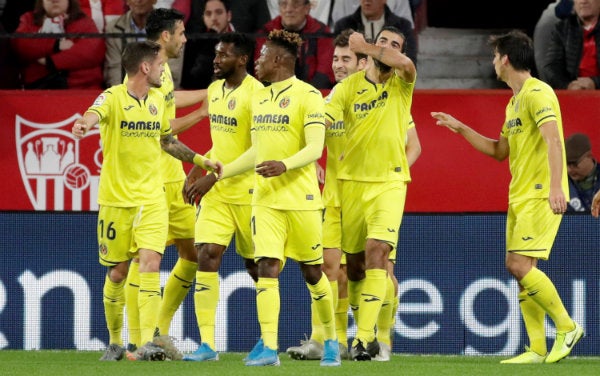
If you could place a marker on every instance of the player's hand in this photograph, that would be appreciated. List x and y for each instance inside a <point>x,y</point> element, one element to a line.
<point>596,205</point>
<point>446,120</point>
<point>79,128</point>
<point>269,169</point>
<point>215,166</point>
<point>558,201</point>
<point>356,42</point>
<point>198,188</point>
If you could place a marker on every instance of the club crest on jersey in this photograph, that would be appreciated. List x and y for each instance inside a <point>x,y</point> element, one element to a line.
<point>103,249</point>
<point>284,102</point>
<point>231,104</point>
<point>59,172</point>
<point>99,100</point>
<point>152,108</point>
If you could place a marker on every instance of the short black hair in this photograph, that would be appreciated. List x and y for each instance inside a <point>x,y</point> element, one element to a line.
<point>137,52</point>
<point>162,19</point>
<point>287,40</point>
<point>242,43</point>
<point>518,46</point>
<point>225,4</point>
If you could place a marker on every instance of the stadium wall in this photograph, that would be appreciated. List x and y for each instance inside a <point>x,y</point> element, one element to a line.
<point>455,296</point>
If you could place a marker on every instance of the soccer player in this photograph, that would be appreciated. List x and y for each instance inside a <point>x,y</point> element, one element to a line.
<point>132,220</point>
<point>166,27</point>
<point>532,139</point>
<point>345,62</point>
<point>225,209</point>
<point>287,138</point>
<point>373,172</point>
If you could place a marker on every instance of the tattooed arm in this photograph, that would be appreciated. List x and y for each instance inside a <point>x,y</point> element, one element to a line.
<point>180,151</point>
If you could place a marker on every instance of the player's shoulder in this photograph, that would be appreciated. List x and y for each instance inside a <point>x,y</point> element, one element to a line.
<point>251,83</point>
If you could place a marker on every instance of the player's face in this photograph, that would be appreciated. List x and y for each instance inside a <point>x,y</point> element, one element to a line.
<point>174,46</point>
<point>344,62</point>
<point>157,67</point>
<point>498,65</point>
<point>215,16</point>
<point>389,39</point>
<point>141,7</point>
<point>264,66</point>
<point>55,8</point>
<point>293,13</point>
<point>226,61</point>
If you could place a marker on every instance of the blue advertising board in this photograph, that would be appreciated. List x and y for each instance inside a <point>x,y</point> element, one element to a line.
<point>455,295</point>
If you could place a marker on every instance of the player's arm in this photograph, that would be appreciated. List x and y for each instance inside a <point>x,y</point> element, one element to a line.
<point>84,124</point>
<point>179,150</point>
<point>183,123</point>
<point>596,205</point>
<point>186,98</point>
<point>314,136</point>
<point>394,58</point>
<point>551,136</point>
<point>413,146</point>
<point>497,149</point>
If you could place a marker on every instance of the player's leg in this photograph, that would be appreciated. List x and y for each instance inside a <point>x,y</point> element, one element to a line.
<point>181,232</point>
<point>150,233</point>
<point>383,221</point>
<point>305,245</point>
<point>532,231</point>
<point>132,289</point>
<point>385,320</point>
<point>215,227</point>
<point>269,234</point>
<point>341,311</point>
<point>114,231</point>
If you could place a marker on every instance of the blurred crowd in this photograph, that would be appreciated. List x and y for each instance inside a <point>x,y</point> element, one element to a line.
<point>566,42</point>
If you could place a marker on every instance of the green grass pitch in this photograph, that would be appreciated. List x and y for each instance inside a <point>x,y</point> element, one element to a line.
<point>85,363</point>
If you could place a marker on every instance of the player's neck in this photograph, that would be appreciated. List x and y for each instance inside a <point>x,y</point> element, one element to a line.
<point>516,80</point>
<point>138,87</point>
<point>236,79</point>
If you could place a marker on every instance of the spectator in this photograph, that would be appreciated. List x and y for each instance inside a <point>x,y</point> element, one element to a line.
<point>198,68</point>
<point>583,172</point>
<point>184,6</point>
<point>249,15</point>
<point>132,22</point>
<point>103,11</point>
<point>319,9</point>
<point>59,63</point>
<point>401,8</point>
<point>371,16</point>
<point>541,34</point>
<point>573,60</point>
<point>313,63</point>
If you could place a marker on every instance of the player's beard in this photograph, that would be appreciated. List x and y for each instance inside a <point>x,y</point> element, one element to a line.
<point>383,68</point>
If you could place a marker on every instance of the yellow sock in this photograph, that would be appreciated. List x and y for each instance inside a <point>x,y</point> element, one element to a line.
<point>206,298</point>
<point>178,284</point>
<point>354,288</point>
<point>371,299</point>
<point>323,301</point>
<point>317,332</point>
<point>533,317</point>
<point>541,289</point>
<point>149,305</point>
<point>132,288</point>
<point>114,302</point>
<point>384,320</point>
<point>341,321</point>
<point>334,293</point>
<point>267,306</point>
